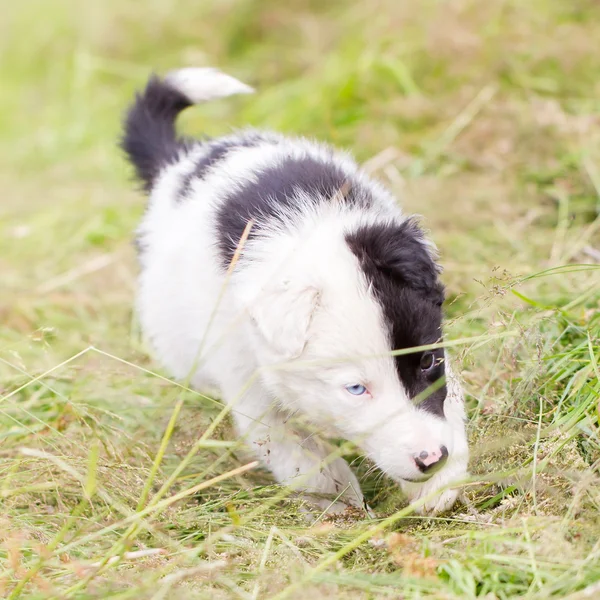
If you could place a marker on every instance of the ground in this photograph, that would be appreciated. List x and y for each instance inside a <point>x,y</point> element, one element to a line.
<point>484,118</point>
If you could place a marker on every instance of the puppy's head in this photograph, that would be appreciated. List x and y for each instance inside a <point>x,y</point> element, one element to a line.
<point>335,320</point>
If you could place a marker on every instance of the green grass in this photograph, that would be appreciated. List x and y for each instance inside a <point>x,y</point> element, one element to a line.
<point>116,482</point>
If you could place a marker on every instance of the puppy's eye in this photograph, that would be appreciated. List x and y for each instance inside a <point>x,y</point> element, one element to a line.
<point>427,361</point>
<point>356,389</point>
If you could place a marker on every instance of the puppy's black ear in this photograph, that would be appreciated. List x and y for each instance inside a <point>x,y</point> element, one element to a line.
<point>401,252</point>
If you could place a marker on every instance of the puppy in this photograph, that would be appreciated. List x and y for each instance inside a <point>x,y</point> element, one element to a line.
<point>276,272</point>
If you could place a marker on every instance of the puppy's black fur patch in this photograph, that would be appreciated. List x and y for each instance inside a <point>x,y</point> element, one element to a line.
<point>275,189</point>
<point>217,151</point>
<point>405,280</point>
<point>149,137</point>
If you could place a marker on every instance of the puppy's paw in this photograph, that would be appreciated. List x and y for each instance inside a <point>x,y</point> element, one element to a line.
<point>439,503</point>
<point>322,509</point>
<point>337,484</point>
<point>328,506</point>
<point>435,503</point>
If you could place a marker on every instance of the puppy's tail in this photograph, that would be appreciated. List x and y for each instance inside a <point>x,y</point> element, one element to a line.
<point>149,138</point>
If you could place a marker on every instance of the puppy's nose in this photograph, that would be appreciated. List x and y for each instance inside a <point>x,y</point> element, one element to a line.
<point>432,460</point>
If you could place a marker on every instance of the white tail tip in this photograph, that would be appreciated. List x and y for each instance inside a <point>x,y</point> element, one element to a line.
<point>202,84</point>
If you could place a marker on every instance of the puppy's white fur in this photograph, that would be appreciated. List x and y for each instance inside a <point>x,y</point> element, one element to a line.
<point>290,326</point>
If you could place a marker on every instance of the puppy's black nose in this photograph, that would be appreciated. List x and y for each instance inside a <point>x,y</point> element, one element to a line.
<point>428,461</point>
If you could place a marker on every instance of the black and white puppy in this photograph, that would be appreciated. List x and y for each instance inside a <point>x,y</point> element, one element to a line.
<point>276,272</point>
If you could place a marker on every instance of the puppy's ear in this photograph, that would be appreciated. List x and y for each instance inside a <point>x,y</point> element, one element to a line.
<point>281,316</point>
<point>400,252</point>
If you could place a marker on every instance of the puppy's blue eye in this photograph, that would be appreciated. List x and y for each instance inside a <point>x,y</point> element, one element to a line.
<point>357,389</point>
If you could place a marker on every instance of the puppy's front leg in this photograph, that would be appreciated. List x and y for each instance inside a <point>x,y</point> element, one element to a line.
<point>443,500</point>
<point>296,458</point>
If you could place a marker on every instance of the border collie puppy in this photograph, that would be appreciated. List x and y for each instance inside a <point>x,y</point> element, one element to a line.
<point>276,272</point>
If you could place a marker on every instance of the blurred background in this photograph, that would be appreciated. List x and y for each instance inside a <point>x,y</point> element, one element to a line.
<point>483,117</point>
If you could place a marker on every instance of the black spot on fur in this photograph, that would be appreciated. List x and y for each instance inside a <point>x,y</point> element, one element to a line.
<point>149,137</point>
<point>139,246</point>
<point>276,188</point>
<point>216,151</point>
<point>405,281</point>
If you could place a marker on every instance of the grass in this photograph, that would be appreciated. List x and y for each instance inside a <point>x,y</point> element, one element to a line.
<point>116,482</point>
